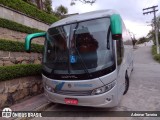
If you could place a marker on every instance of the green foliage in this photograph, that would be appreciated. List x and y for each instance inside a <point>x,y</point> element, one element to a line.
<point>16,71</point>
<point>15,46</point>
<point>29,10</point>
<point>154,50</point>
<point>17,27</point>
<point>83,1</point>
<point>48,6</point>
<point>154,53</point>
<point>151,36</point>
<point>60,11</point>
<point>157,57</point>
<point>134,41</point>
<point>29,2</point>
<point>142,40</point>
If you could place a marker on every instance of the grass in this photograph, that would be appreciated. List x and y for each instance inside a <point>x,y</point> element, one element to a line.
<point>21,70</point>
<point>4,23</point>
<point>15,46</point>
<point>154,53</point>
<point>30,10</point>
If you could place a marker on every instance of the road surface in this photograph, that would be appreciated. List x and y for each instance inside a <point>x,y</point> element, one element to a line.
<point>143,94</point>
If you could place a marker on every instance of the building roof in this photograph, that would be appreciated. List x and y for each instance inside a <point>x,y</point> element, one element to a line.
<point>84,16</point>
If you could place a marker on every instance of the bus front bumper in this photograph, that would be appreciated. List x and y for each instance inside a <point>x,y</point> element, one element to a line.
<point>108,99</point>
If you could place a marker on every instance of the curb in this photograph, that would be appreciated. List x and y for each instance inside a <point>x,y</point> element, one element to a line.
<point>40,108</point>
<point>44,107</point>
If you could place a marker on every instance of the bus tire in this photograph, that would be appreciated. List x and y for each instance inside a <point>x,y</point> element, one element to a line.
<point>126,84</point>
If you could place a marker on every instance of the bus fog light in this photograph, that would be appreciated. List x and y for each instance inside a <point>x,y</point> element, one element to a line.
<point>108,99</point>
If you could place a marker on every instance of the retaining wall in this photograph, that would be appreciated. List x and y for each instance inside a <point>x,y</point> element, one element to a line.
<point>10,58</point>
<point>18,36</point>
<point>19,17</point>
<point>12,91</point>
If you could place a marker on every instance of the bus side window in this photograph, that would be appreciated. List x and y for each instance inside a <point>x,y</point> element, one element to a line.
<point>120,51</point>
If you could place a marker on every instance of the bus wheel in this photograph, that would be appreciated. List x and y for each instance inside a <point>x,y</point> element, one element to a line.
<point>126,83</point>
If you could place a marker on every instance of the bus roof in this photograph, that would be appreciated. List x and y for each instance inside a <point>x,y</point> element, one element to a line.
<point>84,16</point>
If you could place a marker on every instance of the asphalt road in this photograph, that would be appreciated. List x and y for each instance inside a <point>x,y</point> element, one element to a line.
<point>143,94</point>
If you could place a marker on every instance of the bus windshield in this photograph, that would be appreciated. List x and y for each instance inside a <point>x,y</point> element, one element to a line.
<point>79,48</point>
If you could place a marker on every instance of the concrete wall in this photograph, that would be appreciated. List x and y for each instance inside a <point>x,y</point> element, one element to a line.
<point>17,36</point>
<point>13,91</point>
<point>16,16</point>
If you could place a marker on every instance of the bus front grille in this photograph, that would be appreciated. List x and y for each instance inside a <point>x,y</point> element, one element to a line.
<point>74,93</point>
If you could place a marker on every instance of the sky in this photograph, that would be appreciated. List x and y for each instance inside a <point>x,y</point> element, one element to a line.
<point>130,11</point>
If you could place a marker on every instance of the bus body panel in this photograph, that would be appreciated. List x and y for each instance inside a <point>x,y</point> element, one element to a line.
<point>74,85</point>
<point>129,59</point>
<point>109,77</point>
<point>92,101</point>
<point>126,64</point>
<point>118,75</point>
<point>57,90</point>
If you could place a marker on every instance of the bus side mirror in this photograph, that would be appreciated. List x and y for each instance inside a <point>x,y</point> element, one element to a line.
<point>116,27</point>
<point>30,37</point>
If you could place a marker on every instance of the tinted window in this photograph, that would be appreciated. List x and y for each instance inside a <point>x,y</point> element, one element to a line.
<point>79,48</point>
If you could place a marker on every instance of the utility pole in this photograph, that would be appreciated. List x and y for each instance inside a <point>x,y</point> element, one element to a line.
<point>151,24</point>
<point>153,10</point>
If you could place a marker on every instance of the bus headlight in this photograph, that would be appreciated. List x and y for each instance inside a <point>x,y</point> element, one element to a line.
<point>103,89</point>
<point>98,90</point>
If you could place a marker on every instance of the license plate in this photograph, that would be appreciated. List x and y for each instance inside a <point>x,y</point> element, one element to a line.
<point>71,101</point>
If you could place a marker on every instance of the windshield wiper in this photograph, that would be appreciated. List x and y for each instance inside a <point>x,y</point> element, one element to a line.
<point>82,61</point>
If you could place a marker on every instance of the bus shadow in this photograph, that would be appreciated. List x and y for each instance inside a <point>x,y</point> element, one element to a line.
<point>78,108</point>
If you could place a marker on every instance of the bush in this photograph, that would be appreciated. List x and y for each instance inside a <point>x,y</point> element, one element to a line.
<point>16,71</point>
<point>28,1</point>
<point>29,10</point>
<point>157,57</point>
<point>154,53</point>
<point>141,40</point>
<point>17,27</point>
<point>15,46</point>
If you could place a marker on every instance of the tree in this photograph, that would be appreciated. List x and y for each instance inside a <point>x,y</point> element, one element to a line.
<point>48,6</point>
<point>83,1</point>
<point>151,34</point>
<point>60,11</point>
<point>134,41</point>
<point>142,40</point>
<point>39,4</point>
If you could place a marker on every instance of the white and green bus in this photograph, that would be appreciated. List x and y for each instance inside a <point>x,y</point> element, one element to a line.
<point>87,59</point>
